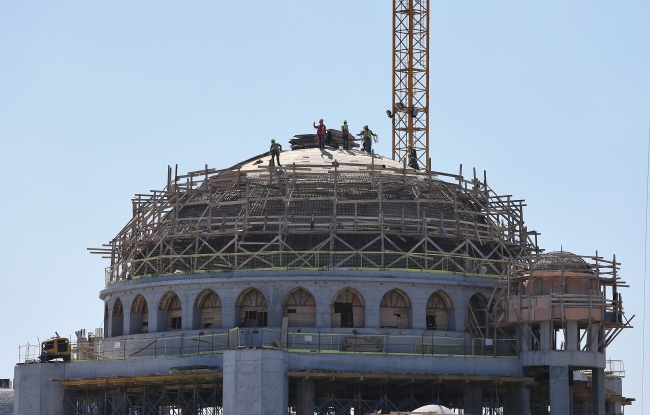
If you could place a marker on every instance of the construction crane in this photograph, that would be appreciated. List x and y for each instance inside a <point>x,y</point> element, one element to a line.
<point>410,111</point>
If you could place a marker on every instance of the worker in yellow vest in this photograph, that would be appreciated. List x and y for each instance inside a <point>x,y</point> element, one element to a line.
<point>276,148</point>
<point>345,130</point>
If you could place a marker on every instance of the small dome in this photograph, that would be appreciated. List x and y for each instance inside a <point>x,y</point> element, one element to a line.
<point>558,260</point>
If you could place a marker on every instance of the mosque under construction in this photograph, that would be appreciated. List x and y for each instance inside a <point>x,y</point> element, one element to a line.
<point>339,283</point>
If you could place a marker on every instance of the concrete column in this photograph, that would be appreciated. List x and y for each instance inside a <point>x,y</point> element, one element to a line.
<point>418,316</point>
<point>34,393</point>
<point>153,299</point>
<point>255,382</point>
<point>187,316</point>
<point>275,312</point>
<point>305,397</point>
<point>598,391</point>
<point>371,311</point>
<point>572,335</point>
<point>126,322</point>
<point>473,400</point>
<point>459,312</point>
<point>545,335</point>
<point>229,313</point>
<point>559,390</point>
<point>593,337</point>
<point>323,314</point>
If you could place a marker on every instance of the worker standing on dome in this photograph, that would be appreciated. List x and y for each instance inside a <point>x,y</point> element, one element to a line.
<point>345,130</point>
<point>276,148</point>
<point>320,133</point>
<point>413,158</point>
<point>367,135</point>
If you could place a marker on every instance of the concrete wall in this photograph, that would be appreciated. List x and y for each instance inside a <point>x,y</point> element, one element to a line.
<point>255,382</point>
<point>33,391</point>
<point>275,285</point>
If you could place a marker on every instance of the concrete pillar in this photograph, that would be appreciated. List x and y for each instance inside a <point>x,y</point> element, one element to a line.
<point>371,312</point>
<point>153,299</point>
<point>229,313</point>
<point>572,335</point>
<point>323,314</point>
<point>255,382</point>
<point>593,338</point>
<point>305,397</point>
<point>559,390</point>
<point>473,400</point>
<point>34,393</point>
<point>545,336</point>
<point>275,313</point>
<point>187,313</point>
<point>126,322</point>
<point>598,391</point>
<point>418,316</point>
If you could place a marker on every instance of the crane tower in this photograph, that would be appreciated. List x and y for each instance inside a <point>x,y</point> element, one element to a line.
<point>410,112</point>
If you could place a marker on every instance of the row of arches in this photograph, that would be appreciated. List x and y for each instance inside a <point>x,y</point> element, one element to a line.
<point>299,307</point>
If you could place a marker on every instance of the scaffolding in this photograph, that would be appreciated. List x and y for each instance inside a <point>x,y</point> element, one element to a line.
<point>346,214</point>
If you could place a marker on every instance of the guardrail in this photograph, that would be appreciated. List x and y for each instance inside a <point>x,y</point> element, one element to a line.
<point>305,260</point>
<point>293,342</point>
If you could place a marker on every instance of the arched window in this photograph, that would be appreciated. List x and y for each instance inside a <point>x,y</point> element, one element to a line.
<point>438,311</point>
<point>252,308</point>
<point>139,315</point>
<point>477,315</point>
<point>171,304</point>
<point>117,319</point>
<point>208,305</point>
<point>348,309</point>
<point>300,308</point>
<point>394,310</point>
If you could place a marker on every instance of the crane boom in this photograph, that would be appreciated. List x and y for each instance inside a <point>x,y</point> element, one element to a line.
<point>410,112</point>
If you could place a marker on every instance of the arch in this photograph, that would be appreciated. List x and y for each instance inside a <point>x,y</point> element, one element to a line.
<point>438,311</point>
<point>394,309</point>
<point>139,315</point>
<point>208,306</point>
<point>300,307</point>
<point>117,318</point>
<point>170,304</point>
<point>348,309</point>
<point>477,315</point>
<point>252,308</point>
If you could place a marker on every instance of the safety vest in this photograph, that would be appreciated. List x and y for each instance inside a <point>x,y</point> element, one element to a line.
<point>367,133</point>
<point>321,130</point>
<point>276,147</point>
<point>344,128</point>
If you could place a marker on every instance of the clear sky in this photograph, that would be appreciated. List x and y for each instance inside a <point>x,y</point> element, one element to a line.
<point>552,98</point>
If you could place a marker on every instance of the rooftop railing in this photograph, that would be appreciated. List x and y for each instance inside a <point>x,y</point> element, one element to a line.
<point>292,341</point>
<point>305,260</point>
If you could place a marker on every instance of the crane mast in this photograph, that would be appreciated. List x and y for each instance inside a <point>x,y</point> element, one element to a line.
<point>410,112</point>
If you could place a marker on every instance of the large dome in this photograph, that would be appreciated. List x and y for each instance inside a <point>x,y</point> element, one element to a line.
<point>330,201</point>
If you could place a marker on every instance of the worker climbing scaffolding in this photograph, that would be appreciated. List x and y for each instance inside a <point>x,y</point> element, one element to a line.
<point>413,158</point>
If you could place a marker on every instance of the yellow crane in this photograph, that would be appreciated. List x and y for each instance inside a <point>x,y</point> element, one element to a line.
<point>410,111</point>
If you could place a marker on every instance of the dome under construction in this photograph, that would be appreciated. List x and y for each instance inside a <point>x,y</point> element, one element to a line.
<point>347,209</point>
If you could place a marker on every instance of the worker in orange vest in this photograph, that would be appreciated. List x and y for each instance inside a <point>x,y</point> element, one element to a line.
<point>320,133</point>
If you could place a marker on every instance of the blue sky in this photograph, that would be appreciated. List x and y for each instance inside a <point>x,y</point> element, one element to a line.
<point>97,98</point>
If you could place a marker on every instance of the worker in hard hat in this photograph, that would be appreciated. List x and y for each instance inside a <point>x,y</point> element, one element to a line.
<point>345,130</point>
<point>413,157</point>
<point>367,135</point>
<point>320,133</point>
<point>276,148</point>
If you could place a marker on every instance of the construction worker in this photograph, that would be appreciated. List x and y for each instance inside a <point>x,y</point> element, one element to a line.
<point>276,148</point>
<point>413,158</point>
<point>367,135</point>
<point>320,133</point>
<point>345,130</point>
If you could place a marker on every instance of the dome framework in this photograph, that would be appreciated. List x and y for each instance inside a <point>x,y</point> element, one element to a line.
<point>336,209</point>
